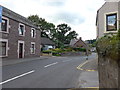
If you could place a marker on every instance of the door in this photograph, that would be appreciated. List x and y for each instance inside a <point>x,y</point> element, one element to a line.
<point>20,49</point>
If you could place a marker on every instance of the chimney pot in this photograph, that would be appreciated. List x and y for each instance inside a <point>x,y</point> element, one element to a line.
<point>80,38</point>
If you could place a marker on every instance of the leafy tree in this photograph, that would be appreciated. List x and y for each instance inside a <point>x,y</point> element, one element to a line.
<point>34,19</point>
<point>62,34</point>
<point>71,35</point>
<point>45,27</point>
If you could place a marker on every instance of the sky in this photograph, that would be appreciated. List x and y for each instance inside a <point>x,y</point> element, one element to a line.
<point>80,15</point>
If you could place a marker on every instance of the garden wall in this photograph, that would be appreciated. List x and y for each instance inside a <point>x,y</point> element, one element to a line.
<point>108,49</point>
<point>73,54</point>
<point>108,72</point>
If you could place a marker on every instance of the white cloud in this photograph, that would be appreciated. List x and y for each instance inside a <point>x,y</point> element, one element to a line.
<point>79,14</point>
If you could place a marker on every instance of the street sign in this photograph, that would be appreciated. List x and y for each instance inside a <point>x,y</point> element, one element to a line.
<point>0,14</point>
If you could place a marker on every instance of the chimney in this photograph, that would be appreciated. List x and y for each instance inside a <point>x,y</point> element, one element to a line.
<point>80,38</point>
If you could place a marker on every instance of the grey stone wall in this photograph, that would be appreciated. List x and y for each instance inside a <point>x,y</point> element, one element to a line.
<point>108,72</point>
<point>108,49</point>
<point>73,54</point>
<point>109,62</point>
<point>13,37</point>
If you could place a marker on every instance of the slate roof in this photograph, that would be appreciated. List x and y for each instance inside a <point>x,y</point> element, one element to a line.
<point>75,41</point>
<point>12,15</point>
<point>46,41</point>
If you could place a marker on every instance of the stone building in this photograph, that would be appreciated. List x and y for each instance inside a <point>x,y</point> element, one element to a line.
<point>19,38</point>
<point>78,43</point>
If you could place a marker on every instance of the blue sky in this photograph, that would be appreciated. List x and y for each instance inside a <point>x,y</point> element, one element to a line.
<point>79,14</point>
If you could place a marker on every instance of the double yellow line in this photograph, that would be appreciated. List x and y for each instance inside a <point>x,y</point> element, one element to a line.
<point>85,88</point>
<point>93,87</point>
<point>81,65</point>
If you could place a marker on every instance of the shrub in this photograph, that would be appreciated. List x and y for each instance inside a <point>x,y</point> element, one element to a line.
<point>57,50</point>
<point>108,46</point>
<point>68,49</point>
<point>80,49</point>
<point>47,51</point>
<point>56,54</point>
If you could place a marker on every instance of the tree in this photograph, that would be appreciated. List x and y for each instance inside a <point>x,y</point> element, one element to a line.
<point>71,35</point>
<point>64,34</point>
<point>45,27</point>
<point>34,19</point>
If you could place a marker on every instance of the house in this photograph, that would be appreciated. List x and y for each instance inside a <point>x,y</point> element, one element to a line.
<point>90,41</point>
<point>78,43</point>
<point>19,38</point>
<point>47,44</point>
<point>107,20</point>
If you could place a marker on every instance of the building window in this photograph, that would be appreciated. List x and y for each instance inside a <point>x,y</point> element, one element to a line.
<point>4,24</point>
<point>33,32</point>
<point>3,47</point>
<point>21,29</point>
<point>111,21</point>
<point>32,48</point>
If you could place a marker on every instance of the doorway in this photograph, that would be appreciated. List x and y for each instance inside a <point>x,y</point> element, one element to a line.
<point>20,49</point>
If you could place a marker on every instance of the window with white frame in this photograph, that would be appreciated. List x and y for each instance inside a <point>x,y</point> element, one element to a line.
<point>111,22</point>
<point>21,29</point>
<point>4,47</point>
<point>4,24</point>
<point>32,48</point>
<point>33,32</point>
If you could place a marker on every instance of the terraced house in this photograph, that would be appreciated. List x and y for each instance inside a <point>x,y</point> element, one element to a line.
<point>19,38</point>
<point>108,19</point>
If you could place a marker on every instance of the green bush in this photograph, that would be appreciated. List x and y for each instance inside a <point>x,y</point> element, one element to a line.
<point>67,49</point>
<point>56,54</point>
<point>59,51</point>
<point>47,51</point>
<point>80,49</point>
<point>108,46</point>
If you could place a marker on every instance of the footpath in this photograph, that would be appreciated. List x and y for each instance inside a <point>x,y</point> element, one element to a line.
<point>89,77</point>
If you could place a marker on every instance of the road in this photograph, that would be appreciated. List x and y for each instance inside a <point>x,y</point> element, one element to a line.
<point>55,72</point>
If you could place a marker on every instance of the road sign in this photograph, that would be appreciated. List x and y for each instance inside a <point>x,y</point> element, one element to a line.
<point>0,14</point>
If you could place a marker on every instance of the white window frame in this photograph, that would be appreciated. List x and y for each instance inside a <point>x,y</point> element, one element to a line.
<point>5,40</point>
<point>19,41</point>
<point>34,33</point>
<point>19,29</point>
<point>31,48</point>
<point>7,31</point>
<point>105,27</point>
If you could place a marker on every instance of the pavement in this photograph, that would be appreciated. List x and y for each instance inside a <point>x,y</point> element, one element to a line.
<point>15,61</point>
<point>89,78</point>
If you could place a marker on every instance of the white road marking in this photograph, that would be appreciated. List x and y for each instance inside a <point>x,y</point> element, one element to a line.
<point>50,64</point>
<point>16,77</point>
<point>66,60</point>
